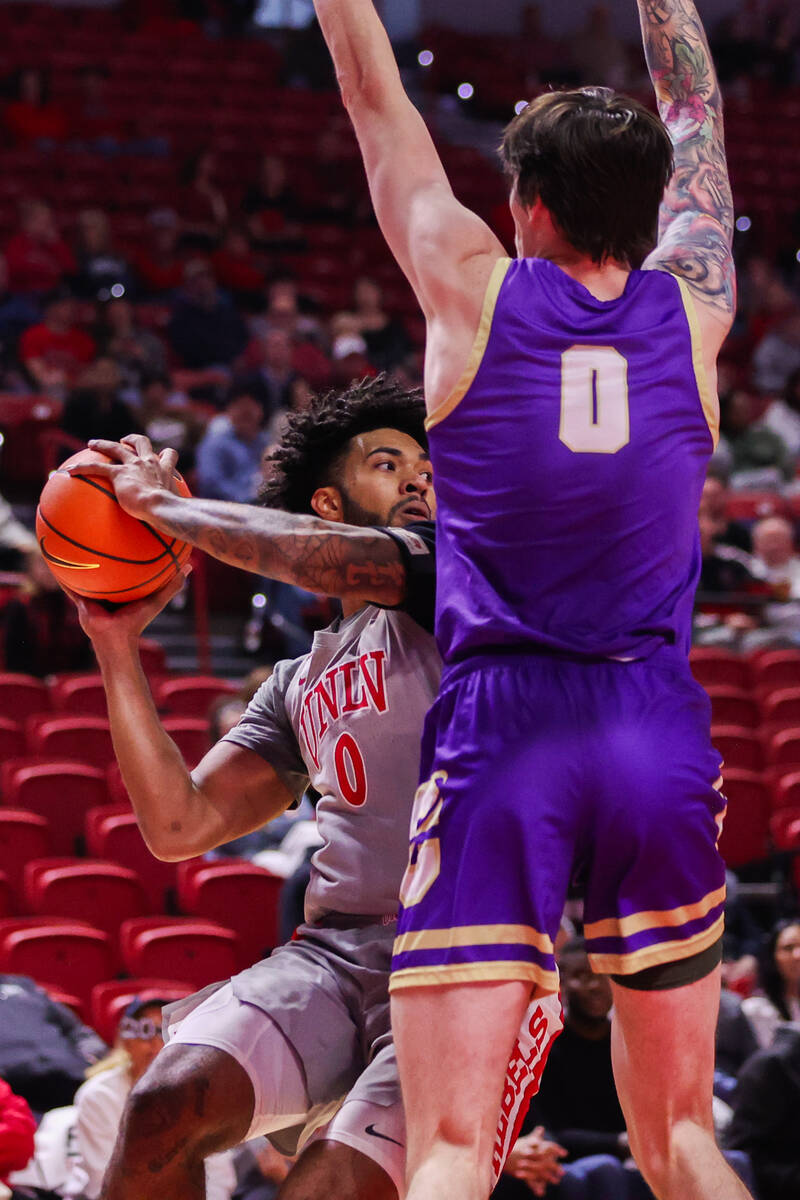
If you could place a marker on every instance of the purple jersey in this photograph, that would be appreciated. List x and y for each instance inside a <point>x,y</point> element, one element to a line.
<point>569,463</point>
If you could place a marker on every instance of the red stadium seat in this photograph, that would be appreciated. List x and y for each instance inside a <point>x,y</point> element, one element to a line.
<point>77,1005</point>
<point>23,835</point>
<point>237,894</point>
<point>12,739</point>
<point>733,706</point>
<point>80,694</point>
<point>67,954</point>
<point>784,827</point>
<point>62,792</point>
<point>117,792</point>
<point>786,791</point>
<point>114,834</point>
<point>110,999</point>
<point>8,902</point>
<point>21,696</point>
<point>193,695</point>
<point>777,669</point>
<point>85,738</point>
<point>783,748</point>
<point>104,894</point>
<point>746,829</point>
<point>738,747</point>
<point>191,736</point>
<point>153,656</point>
<point>197,952</point>
<point>782,707</point>
<point>719,668</point>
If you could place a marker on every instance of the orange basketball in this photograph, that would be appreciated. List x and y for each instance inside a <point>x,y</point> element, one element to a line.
<point>93,546</point>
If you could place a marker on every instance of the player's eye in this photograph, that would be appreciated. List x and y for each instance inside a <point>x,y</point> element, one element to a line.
<point>427,475</point>
<point>386,465</point>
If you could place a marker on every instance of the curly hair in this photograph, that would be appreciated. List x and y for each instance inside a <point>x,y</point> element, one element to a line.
<point>313,446</point>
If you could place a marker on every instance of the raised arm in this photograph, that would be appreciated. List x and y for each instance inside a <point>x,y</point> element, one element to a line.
<point>696,222</point>
<point>434,238</point>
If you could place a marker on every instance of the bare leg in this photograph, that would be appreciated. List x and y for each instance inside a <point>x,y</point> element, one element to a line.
<point>193,1101</point>
<point>453,1046</point>
<point>337,1172</point>
<point>662,1045</point>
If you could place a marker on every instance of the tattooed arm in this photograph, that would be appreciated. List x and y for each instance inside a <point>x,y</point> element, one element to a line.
<point>347,561</point>
<point>696,220</point>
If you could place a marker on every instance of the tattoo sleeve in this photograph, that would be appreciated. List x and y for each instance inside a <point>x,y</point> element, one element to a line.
<point>332,560</point>
<point>696,219</point>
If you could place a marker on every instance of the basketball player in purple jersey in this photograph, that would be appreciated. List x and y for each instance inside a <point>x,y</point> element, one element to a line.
<point>572,412</point>
<point>298,1047</point>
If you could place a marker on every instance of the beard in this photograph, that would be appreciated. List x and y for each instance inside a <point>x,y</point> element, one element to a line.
<point>355,514</point>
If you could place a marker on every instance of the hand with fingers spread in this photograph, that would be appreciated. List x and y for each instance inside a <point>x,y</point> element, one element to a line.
<point>137,474</point>
<point>127,622</point>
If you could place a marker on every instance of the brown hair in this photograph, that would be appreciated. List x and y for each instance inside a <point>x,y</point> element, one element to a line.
<point>599,162</point>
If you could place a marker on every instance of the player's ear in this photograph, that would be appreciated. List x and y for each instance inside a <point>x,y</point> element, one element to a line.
<point>327,503</point>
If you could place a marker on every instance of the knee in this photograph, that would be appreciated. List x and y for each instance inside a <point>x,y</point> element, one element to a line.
<point>663,1160</point>
<point>188,1097</point>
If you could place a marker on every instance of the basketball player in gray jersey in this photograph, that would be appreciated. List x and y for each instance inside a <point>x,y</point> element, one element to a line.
<point>298,1047</point>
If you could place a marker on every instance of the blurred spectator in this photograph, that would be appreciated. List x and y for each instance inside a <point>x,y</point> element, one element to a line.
<point>735,1042</point>
<point>15,539</point>
<point>100,266</point>
<point>93,123</point>
<point>238,270</point>
<point>753,456</point>
<point>774,557</point>
<point>715,505</point>
<point>202,205</point>
<point>95,408</point>
<point>17,312</point>
<point>56,350</point>
<point>777,355</point>
<point>269,204</point>
<point>253,681</point>
<point>300,394</point>
<point>261,1171</point>
<point>350,362</point>
<point>284,312</point>
<point>545,58</point>
<point>17,1128</point>
<point>41,630</point>
<point>765,1112</point>
<point>387,343</point>
<point>782,415</point>
<point>272,381</point>
<point>159,265</point>
<point>44,1048</point>
<point>100,1103</point>
<point>741,940</point>
<point>169,420</point>
<point>31,117</point>
<point>38,258</point>
<point>138,353</point>
<point>205,330</point>
<point>779,979</point>
<point>229,457</point>
<point>725,569</point>
<point>223,715</point>
<point>344,198</point>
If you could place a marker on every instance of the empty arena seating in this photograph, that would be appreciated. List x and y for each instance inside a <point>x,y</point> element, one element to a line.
<point>193,951</point>
<point>68,954</point>
<point>12,739</point>
<point>745,833</point>
<point>113,833</point>
<point>237,894</point>
<point>80,694</point>
<point>733,706</point>
<point>190,735</point>
<point>22,695</point>
<point>23,837</point>
<point>191,696</point>
<point>110,999</point>
<point>60,791</point>
<point>104,894</point>
<point>719,668</point>
<point>85,738</point>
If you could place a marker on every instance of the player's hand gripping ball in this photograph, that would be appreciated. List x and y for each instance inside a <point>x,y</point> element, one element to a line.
<point>93,547</point>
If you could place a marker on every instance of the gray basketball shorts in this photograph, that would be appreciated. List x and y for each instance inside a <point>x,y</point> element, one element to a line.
<point>310,1026</point>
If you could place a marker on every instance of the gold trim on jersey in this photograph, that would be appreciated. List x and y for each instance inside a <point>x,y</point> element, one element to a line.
<point>476,972</point>
<point>499,272</point>
<point>621,927</point>
<point>473,935</point>
<point>662,952</point>
<point>708,398</point>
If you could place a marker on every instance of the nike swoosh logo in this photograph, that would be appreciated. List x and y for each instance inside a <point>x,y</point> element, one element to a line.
<point>372,1131</point>
<point>73,566</point>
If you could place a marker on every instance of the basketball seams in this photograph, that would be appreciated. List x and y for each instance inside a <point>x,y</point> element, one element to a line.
<point>136,562</point>
<point>158,537</point>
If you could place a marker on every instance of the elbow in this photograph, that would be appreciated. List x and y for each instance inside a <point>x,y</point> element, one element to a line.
<point>169,845</point>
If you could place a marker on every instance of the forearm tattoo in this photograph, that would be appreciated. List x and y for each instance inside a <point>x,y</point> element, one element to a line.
<point>303,550</point>
<point>696,219</point>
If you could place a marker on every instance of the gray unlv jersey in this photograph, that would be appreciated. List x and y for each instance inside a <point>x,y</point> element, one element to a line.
<point>348,718</point>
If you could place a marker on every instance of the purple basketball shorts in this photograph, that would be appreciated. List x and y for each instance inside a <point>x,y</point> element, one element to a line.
<point>538,771</point>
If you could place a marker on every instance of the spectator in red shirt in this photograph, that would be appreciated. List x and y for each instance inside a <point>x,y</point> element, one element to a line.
<point>238,269</point>
<point>17,1128</point>
<point>31,117</point>
<point>54,351</point>
<point>158,264</point>
<point>38,258</point>
<point>203,207</point>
